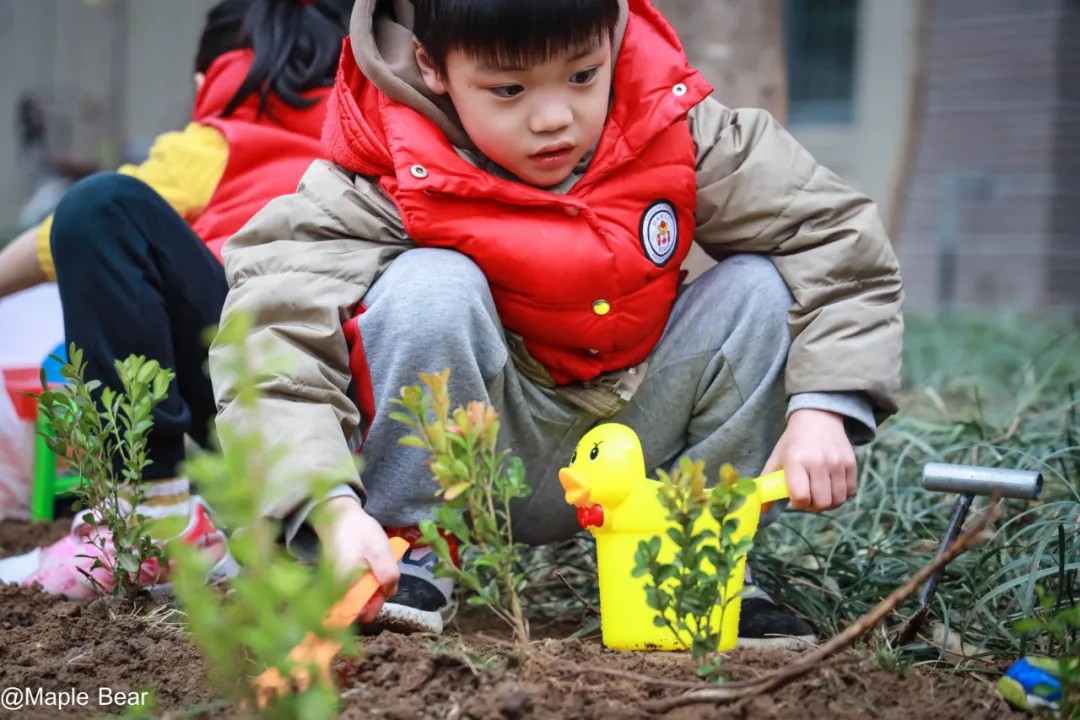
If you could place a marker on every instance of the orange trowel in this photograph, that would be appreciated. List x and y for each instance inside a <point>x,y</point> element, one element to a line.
<point>317,652</point>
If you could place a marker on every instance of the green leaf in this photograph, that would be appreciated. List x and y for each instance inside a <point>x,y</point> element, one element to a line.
<point>403,418</point>
<point>665,573</point>
<point>454,491</point>
<point>454,523</point>
<point>128,563</point>
<point>147,371</point>
<point>1027,625</point>
<point>316,704</point>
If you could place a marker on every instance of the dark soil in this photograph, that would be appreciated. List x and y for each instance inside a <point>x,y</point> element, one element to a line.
<point>58,645</point>
<point>462,677</point>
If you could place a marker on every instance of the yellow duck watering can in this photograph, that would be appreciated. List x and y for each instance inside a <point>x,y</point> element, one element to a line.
<point>621,508</point>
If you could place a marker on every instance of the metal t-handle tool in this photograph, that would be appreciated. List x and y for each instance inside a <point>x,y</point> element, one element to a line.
<point>968,481</point>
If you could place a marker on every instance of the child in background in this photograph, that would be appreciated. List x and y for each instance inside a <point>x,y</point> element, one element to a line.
<point>512,188</point>
<point>136,253</point>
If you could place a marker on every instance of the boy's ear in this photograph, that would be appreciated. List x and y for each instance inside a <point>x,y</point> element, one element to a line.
<point>428,71</point>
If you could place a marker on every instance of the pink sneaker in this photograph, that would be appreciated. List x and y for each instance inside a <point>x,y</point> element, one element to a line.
<point>62,565</point>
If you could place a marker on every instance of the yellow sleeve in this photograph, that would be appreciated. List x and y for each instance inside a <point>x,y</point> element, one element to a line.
<point>183,167</point>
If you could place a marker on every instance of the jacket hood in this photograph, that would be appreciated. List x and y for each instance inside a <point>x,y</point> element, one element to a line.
<point>225,76</point>
<point>378,66</point>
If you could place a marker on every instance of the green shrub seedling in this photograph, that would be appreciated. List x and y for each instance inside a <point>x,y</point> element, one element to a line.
<point>474,480</point>
<point>685,591</point>
<point>275,601</point>
<point>98,431</point>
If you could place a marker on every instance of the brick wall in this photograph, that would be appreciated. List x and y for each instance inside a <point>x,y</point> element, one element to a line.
<point>991,164</point>
<point>1064,268</point>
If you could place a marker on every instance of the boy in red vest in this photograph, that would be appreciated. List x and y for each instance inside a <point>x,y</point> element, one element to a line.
<point>512,189</point>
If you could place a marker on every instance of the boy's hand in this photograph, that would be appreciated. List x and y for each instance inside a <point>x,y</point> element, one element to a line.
<point>817,459</point>
<point>355,542</point>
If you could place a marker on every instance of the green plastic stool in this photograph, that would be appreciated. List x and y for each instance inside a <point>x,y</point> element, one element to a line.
<point>48,484</point>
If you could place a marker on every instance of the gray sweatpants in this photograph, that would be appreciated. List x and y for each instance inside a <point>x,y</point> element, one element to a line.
<point>714,388</point>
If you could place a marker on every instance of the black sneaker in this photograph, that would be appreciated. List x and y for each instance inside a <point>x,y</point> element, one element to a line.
<point>764,624</point>
<point>422,603</point>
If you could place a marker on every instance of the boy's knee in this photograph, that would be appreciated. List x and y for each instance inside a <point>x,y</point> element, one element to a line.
<point>78,222</point>
<point>758,286</point>
<point>434,283</point>
<point>435,308</point>
<point>437,267</point>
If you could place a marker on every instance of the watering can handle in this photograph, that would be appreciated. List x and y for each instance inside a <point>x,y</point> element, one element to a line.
<point>772,487</point>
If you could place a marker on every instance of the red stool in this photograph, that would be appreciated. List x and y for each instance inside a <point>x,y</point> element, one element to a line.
<point>48,483</point>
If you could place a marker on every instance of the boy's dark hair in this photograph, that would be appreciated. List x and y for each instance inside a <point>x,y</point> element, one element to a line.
<point>296,47</point>
<point>511,32</point>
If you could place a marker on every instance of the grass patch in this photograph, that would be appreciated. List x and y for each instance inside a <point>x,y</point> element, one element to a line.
<point>994,392</point>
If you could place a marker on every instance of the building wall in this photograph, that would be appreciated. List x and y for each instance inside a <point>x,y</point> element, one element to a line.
<point>112,75</point>
<point>160,59</point>
<point>115,73</point>
<point>867,151</point>
<point>996,175</point>
<point>61,54</point>
<point>1064,268</point>
<point>983,206</point>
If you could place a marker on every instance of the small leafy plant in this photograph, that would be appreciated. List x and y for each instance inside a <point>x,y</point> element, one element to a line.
<point>276,602</point>
<point>688,587</point>
<point>477,481</point>
<point>97,431</point>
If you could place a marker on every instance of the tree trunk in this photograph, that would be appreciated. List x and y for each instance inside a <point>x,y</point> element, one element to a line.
<point>738,45</point>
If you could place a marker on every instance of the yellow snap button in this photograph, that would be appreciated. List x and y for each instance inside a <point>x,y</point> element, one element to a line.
<point>601,307</point>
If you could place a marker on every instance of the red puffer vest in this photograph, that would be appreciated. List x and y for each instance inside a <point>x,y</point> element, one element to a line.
<point>589,278</point>
<point>267,155</point>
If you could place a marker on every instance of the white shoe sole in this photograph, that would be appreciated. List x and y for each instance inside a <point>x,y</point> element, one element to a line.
<point>17,568</point>
<point>780,642</point>
<point>404,620</point>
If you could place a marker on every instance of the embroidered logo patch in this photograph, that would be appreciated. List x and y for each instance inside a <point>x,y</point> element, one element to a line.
<point>660,232</point>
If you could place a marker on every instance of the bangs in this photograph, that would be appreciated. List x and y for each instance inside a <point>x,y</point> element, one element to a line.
<point>512,33</point>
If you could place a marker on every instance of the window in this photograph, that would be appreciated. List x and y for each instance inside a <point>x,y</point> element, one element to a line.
<point>820,38</point>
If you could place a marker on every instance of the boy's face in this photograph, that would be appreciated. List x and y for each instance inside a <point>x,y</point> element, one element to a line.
<point>538,121</point>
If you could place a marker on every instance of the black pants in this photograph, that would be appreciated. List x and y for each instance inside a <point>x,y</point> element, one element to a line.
<point>135,279</point>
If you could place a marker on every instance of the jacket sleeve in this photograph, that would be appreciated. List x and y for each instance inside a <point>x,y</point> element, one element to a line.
<point>760,191</point>
<point>298,269</point>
